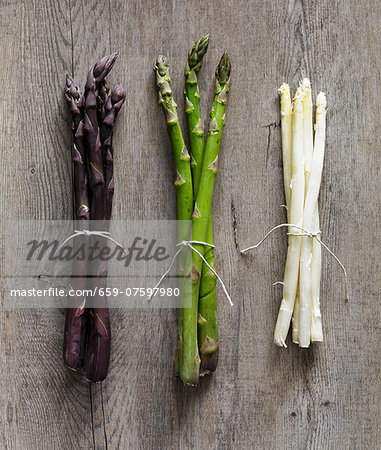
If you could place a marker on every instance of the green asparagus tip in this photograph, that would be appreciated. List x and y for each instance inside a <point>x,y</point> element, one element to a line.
<point>197,53</point>
<point>223,69</point>
<point>161,65</point>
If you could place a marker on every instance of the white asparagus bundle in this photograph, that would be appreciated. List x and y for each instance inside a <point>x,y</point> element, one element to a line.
<point>301,285</point>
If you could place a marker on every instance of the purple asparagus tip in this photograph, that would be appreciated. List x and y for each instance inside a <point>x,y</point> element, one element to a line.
<point>72,92</point>
<point>118,93</point>
<point>103,66</point>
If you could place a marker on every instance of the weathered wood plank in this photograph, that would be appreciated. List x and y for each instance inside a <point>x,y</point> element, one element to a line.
<point>261,396</point>
<point>91,28</point>
<point>42,404</point>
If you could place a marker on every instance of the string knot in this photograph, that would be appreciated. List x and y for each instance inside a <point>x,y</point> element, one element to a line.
<point>188,244</point>
<point>310,234</point>
<point>304,232</point>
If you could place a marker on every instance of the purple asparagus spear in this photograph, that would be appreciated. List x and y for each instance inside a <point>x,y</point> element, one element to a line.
<point>99,332</point>
<point>74,337</point>
<point>113,104</point>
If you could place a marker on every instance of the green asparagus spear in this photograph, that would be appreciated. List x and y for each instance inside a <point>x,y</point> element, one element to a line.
<point>207,326</point>
<point>187,347</point>
<point>207,311</point>
<point>181,156</point>
<point>207,321</point>
<point>192,108</point>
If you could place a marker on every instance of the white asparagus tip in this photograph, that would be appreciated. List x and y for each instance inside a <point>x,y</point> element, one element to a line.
<point>305,84</point>
<point>298,98</point>
<point>284,90</point>
<point>321,100</point>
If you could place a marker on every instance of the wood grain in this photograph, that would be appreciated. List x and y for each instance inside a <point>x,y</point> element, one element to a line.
<point>261,397</point>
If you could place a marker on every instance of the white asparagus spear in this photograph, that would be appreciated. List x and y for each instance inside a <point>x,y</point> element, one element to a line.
<point>286,131</point>
<point>309,221</point>
<point>296,317</point>
<point>307,154</point>
<point>316,324</point>
<point>290,280</point>
<point>308,145</point>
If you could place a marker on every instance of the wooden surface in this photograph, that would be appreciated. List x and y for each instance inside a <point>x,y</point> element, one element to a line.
<point>264,397</point>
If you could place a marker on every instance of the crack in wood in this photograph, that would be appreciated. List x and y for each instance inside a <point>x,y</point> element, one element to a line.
<point>234,223</point>
<point>92,414</point>
<point>104,419</point>
<point>269,126</point>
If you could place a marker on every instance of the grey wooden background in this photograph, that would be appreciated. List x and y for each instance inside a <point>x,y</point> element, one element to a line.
<point>327,397</point>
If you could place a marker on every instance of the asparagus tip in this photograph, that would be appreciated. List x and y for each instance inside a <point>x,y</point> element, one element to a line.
<point>284,90</point>
<point>305,83</point>
<point>72,90</point>
<point>223,69</point>
<point>197,53</point>
<point>161,65</point>
<point>118,93</point>
<point>104,65</point>
<point>298,97</point>
<point>321,100</point>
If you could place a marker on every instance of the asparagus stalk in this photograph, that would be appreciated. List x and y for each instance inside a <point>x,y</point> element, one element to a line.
<point>286,132</point>
<point>74,336</point>
<point>307,155</point>
<point>92,135</point>
<point>114,102</point>
<point>99,338</point>
<point>195,124</point>
<point>183,184</point>
<point>192,108</point>
<point>309,221</point>
<point>316,324</point>
<point>296,217</point>
<point>308,145</point>
<point>208,336</point>
<point>102,101</point>
<point>207,309</point>
<point>303,295</point>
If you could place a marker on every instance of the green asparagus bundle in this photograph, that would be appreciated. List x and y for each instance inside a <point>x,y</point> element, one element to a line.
<point>195,181</point>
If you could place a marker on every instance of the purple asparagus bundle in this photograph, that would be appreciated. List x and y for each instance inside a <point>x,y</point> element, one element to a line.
<point>98,112</point>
